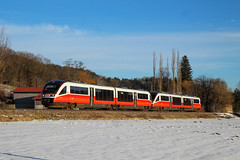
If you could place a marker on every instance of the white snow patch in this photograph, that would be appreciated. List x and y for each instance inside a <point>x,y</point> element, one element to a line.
<point>120,139</point>
<point>227,115</point>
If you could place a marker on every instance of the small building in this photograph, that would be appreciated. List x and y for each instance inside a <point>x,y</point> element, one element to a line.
<point>23,96</point>
<point>38,103</point>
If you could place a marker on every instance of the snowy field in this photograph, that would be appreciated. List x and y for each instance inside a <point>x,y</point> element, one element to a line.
<point>117,140</point>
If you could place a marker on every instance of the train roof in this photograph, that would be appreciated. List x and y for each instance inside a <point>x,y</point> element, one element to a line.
<point>133,90</point>
<point>99,85</point>
<point>119,88</point>
<point>171,94</point>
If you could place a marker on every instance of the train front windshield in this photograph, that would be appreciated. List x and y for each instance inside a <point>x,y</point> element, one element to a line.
<point>52,87</point>
<point>153,95</point>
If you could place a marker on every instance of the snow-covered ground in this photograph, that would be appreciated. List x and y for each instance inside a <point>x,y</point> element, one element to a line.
<point>113,140</point>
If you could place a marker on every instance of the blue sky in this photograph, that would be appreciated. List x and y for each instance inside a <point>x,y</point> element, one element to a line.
<point>117,38</point>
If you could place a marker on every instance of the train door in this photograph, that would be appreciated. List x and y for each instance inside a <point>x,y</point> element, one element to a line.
<point>192,102</point>
<point>91,96</point>
<point>171,100</point>
<point>135,99</point>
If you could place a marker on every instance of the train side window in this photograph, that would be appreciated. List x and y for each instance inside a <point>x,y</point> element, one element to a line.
<point>164,98</point>
<point>196,101</point>
<point>125,96</point>
<point>79,90</point>
<point>98,94</point>
<point>142,96</point>
<point>110,96</point>
<point>83,90</point>
<point>63,91</point>
<point>176,101</point>
<point>187,102</point>
<point>104,95</point>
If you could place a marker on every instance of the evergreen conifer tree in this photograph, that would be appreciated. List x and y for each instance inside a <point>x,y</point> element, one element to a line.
<point>236,104</point>
<point>186,69</point>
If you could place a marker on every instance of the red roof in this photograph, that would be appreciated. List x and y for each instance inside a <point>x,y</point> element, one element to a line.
<point>28,90</point>
<point>39,96</point>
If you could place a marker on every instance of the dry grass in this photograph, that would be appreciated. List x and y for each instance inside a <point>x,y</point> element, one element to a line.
<point>56,114</point>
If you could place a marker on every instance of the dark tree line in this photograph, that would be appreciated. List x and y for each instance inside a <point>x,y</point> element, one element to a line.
<point>236,95</point>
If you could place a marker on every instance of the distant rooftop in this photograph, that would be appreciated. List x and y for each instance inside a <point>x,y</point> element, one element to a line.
<point>38,96</point>
<point>28,90</point>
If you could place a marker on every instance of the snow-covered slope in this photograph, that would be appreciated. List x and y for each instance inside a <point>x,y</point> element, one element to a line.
<point>131,139</point>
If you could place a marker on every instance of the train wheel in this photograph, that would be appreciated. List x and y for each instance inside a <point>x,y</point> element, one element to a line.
<point>71,106</point>
<point>160,109</point>
<point>65,106</point>
<point>147,108</point>
<point>114,107</point>
<point>46,104</point>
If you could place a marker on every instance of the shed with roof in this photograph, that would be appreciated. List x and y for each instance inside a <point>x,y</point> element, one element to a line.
<point>24,96</point>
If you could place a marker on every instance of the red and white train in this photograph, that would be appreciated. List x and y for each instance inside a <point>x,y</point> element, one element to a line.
<point>73,94</point>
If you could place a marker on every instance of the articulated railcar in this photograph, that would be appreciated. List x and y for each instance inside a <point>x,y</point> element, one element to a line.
<point>72,94</point>
<point>173,101</point>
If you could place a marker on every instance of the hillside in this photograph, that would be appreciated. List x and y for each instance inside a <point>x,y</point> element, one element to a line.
<point>7,88</point>
<point>29,70</point>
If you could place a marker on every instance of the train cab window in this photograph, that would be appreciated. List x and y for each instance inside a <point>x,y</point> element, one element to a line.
<point>165,98</point>
<point>63,91</point>
<point>157,99</point>
<point>187,102</point>
<point>142,96</point>
<point>79,90</point>
<point>196,101</point>
<point>52,87</point>
<point>176,101</point>
<point>125,96</point>
<point>153,95</point>
<point>104,95</point>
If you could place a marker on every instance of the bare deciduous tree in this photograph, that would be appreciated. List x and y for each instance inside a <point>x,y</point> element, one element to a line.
<point>154,71</point>
<point>179,75</point>
<point>238,85</point>
<point>214,93</point>
<point>4,44</point>
<point>173,71</point>
<point>168,74</point>
<point>160,73</point>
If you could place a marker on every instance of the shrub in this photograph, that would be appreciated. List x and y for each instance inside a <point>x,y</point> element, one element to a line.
<point>3,97</point>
